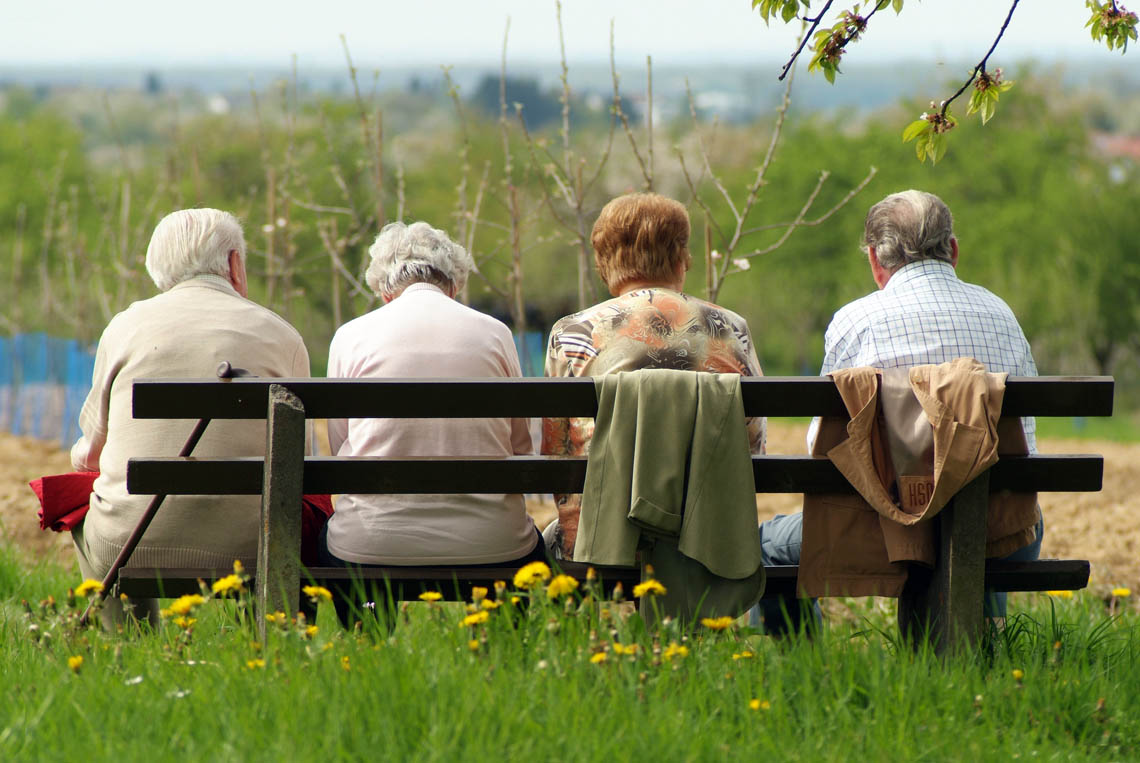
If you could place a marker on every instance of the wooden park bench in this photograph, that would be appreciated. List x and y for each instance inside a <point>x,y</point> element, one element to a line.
<point>952,601</point>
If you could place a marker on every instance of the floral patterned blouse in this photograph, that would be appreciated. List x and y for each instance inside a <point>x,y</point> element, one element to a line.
<point>644,328</point>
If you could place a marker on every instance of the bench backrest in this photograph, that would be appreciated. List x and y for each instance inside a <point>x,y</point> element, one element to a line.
<point>436,398</point>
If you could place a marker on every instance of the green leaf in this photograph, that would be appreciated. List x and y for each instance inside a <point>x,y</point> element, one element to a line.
<point>915,129</point>
<point>829,72</point>
<point>976,98</point>
<point>897,5</point>
<point>937,148</point>
<point>789,11</point>
<point>987,107</point>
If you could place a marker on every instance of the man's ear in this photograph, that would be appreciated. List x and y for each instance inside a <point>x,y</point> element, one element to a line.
<point>878,272</point>
<point>953,252</point>
<point>237,274</point>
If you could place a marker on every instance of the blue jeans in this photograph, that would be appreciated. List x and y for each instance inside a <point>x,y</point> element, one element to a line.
<point>781,539</point>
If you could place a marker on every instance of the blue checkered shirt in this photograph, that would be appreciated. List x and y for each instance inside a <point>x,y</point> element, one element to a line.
<point>925,314</point>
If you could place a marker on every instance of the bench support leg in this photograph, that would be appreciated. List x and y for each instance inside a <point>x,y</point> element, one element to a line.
<point>951,606</point>
<point>279,547</point>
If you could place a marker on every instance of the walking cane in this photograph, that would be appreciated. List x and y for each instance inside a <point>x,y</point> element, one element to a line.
<point>225,371</point>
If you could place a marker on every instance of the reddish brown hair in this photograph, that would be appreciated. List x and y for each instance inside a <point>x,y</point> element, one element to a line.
<point>640,237</point>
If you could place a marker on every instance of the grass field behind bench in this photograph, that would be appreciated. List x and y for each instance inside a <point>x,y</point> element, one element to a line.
<point>1062,684</point>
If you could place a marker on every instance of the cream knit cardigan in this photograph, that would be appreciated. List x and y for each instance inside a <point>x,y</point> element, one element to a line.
<point>184,332</point>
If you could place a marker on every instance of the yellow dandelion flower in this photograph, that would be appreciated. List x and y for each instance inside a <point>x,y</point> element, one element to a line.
<point>478,593</point>
<point>490,604</point>
<point>344,663</point>
<point>475,619</point>
<point>239,568</point>
<point>184,605</point>
<point>227,585</point>
<point>648,588</point>
<point>317,593</point>
<point>431,596</point>
<point>185,622</point>
<point>88,587</point>
<point>598,658</point>
<point>718,623</point>
<point>311,631</point>
<point>473,645</point>
<point>745,655</point>
<point>1060,594</point>
<point>1017,674</point>
<point>75,663</point>
<point>760,704</point>
<point>560,586</point>
<point>1120,593</point>
<point>675,650</point>
<point>500,587</point>
<point>277,618</point>
<point>620,648</point>
<point>591,574</point>
<point>531,575</point>
<point>516,599</point>
<point>255,664</point>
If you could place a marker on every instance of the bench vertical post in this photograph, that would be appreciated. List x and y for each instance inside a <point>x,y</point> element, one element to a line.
<point>952,603</point>
<point>278,548</point>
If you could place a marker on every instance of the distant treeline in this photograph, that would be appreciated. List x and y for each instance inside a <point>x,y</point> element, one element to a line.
<point>1043,219</point>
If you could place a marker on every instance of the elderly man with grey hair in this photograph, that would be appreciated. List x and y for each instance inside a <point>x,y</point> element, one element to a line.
<point>196,257</point>
<point>422,331</point>
<point>923,313</point>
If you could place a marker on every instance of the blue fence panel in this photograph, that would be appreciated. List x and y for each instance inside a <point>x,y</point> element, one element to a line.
<point>43,383</point>
<point>532,352</point>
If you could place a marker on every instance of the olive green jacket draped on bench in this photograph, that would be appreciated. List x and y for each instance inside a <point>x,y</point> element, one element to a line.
<point>670,473</point>
<point>860,545</point>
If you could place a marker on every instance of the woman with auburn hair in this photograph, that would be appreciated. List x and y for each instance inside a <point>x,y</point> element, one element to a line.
<point>641,250</point>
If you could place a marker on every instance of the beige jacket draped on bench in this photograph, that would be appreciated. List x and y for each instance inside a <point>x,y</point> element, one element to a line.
<point>860,545</point>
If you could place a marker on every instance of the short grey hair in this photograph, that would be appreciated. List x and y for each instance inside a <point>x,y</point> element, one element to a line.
<point>907,227</point>
<point>418,253</point>
<point>193,242</point>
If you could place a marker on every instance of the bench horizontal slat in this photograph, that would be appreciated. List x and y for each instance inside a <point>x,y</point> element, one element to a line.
<point>456,583</point>
<point>775,396</point>
<point>545,474</point>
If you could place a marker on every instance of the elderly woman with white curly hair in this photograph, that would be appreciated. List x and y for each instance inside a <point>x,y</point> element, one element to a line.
<point>422,331</point>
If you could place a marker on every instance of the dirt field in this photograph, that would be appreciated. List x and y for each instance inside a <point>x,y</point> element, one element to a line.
<point>1102,527</point>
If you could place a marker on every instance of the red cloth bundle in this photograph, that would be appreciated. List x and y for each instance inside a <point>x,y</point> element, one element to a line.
<point>65,499</point>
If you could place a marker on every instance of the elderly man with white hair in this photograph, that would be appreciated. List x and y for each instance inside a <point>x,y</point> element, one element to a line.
<point>922,313</point>
<point>196,257</point>
<point>422,331</point>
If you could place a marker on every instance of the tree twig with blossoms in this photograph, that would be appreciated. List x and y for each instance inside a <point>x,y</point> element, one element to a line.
<point>1110,22</point>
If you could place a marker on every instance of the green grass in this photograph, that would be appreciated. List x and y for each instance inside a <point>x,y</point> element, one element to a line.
<point>1123,427</point>
<point>530,691</point>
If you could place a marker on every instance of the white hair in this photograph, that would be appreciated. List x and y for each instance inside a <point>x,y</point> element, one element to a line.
<point>418,253</point>
<point>907,227</point>
<point>193,242</point>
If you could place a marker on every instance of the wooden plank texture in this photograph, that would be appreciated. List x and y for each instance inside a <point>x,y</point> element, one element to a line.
<point>545,474</point>
<point>1042,575</point>
<point>278,552</point>
<point>435,398</point>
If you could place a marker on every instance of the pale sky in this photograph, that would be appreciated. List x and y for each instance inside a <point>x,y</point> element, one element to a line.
<point>396,33</point>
